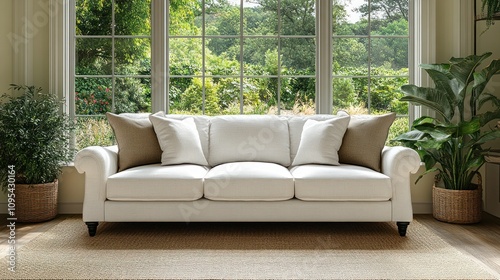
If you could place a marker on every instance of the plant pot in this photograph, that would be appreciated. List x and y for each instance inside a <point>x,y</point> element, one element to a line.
<point>36,202</point>
<point>457,206</point>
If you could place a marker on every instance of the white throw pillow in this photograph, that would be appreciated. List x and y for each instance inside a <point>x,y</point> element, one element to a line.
<point>320,141</point>
<point>179,141</point>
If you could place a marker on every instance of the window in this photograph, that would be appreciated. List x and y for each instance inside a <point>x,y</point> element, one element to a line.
<point>238,57</point>
<point>235,57</point>
<point>112,64</point>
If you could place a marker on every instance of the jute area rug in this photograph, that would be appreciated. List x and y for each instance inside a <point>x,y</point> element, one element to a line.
<point>242,251</point>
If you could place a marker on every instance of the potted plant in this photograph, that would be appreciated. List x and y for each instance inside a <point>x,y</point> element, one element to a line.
<point>452,142</point>
<point>34,141</point>
<point>491,11</point>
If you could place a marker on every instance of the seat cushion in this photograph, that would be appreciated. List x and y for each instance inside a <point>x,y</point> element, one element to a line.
<point>157,183</point>
<point>340,183</point>
<point>249,181</point>
<point>249,138</point>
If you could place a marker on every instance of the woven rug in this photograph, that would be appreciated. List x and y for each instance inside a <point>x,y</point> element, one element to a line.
<point>242,251</point>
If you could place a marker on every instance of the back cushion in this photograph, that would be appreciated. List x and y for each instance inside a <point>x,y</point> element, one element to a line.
<point>249,138</point>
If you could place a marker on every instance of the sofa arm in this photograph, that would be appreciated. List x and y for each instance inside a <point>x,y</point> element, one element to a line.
<point>397,163</point>
<point>97,163</point>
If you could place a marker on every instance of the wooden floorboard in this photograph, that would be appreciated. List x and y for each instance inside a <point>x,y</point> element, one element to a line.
<point>480,240</point>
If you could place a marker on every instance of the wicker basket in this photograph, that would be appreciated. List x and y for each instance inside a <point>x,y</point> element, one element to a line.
<point>457,206</point>
<point>36,203</point>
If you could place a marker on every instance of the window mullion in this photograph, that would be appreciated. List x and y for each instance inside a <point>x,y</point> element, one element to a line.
<point>159,56</point>
<point>324,53</point>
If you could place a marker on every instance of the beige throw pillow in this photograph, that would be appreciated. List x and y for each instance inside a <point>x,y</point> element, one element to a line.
<point>320,141</point>
<point>136,139</point>
<point>364,140</point>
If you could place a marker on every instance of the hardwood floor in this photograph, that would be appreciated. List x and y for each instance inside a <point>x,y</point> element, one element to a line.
<point>480,240</point>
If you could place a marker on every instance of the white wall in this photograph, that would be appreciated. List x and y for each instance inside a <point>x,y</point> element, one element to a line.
<point>448,36</point>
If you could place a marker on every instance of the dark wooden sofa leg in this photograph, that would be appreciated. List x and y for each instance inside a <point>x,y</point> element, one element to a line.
<point>92,226</point>
<point>402,226</point>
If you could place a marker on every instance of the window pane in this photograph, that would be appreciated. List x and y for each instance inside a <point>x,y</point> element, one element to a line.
<point>299,55</point>
<point>260,96</point>
<point>133,56</point>
<point>344,95</point>
<point>298,96</point>
<point>298,17</point>
<point>93,131</point>
<point>392,53</point>
<point>223,56</point>
<point>389,17</point>
<point>186,96</point>
<point>260,56</point>
<point>133,17</point>
<point>385,94</point>
<point>260,18</point>
<point>132,95</point>
<point>93,17</point>
<point>350,56</point>
<point>350,17</point>
<point>185,56</point>
<point>223,20</point>
<point>398,127</point>
<point>93,96</point>
<point>351,95</point>
<point>182,20</point>
<point>226,93</point>
<point>93,56</point>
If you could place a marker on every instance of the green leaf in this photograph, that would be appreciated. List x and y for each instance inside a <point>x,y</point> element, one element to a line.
<point>429,97</point>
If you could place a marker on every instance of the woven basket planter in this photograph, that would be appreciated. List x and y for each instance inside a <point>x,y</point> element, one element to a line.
<point>457,206</point>
<point>37,202</point>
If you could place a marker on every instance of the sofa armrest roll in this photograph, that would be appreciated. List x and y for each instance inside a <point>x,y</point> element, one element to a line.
<point>97,163</point>
<point>397,163</point>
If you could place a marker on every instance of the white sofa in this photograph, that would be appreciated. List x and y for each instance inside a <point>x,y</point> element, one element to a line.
<point>249,176</point>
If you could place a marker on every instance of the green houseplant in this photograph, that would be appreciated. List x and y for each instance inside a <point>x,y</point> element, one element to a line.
<point>491,10</point>
<point>451,143</point>
<point>34,141</point>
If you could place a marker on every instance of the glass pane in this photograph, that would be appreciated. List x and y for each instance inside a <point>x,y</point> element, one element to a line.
<point>344,95</point>
<point>93,56</point>
<point>298,17</point>
<point>350,56</point>
<point>133,56</point>
<point>132,17</point>
<point>260,18</point>
<point>260,96</point>
<point>298,96</point>
<point>183,20</point>
<point>299,55</point>
<point>222,20</point>
<point>185,56</point>
<point>351,95</point>
<point>391,53</point>
<point>93,96</point>
<point>186,96</point>
<point>226,91</point>
<point>93,17</point>
<point>223,56</point>
<point>389,17</point>
<point>350,17</point>
<point>132,95</point>
<point>385,94</point>
<point>93,131</point>
<point>260,56</point>
<point>399,126</point>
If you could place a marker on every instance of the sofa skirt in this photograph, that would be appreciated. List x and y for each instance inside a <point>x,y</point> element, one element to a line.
<point>204,210</point>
